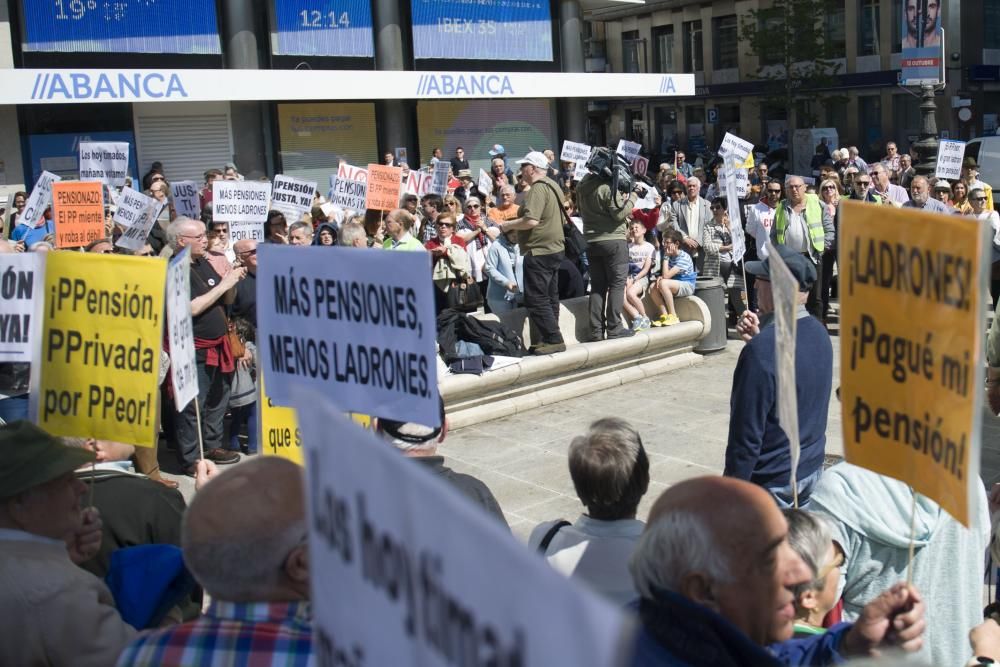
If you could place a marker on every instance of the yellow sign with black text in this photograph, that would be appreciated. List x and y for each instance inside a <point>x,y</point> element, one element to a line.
<point>279,427</point>
<point>912,288</point>
<point>96,373</point>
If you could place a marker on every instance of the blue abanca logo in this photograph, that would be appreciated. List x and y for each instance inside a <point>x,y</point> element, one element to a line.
<point>76,86</point>
<point>458,85</point>
<point>667,85</point>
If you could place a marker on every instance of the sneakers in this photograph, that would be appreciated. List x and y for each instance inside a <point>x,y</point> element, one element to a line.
<point>665,320</point>
<point>548,348</point>
<point>671,320</point>
<point>644,324</point>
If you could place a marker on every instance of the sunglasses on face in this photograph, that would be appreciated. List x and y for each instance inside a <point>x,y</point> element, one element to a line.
<point>445,224</point>
<point>977,198</point>
<point>773,192</point>
<point>864,183</point>
<point>829,187</point>
<point>472,207</point>
<point>248,253</point>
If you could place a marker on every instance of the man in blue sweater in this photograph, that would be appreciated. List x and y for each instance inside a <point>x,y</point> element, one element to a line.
<point>714,572</point>
<point>758,450</point>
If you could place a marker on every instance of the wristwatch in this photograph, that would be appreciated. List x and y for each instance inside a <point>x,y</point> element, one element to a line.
<point>983,660</point>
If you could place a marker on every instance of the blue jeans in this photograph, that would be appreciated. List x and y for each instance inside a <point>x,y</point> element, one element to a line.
<point>244,414</point>
<point>14,408</point>
<point>783,494</point>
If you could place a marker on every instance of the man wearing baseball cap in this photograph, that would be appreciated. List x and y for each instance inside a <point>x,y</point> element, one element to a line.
<point>54,612</point>
<point>758,450</point>
<point>542,244</point>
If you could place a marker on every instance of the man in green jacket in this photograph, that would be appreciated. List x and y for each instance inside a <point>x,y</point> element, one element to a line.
<point>606,215</point>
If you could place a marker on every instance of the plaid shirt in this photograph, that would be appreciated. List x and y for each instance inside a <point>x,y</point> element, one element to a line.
<point>230,634</point>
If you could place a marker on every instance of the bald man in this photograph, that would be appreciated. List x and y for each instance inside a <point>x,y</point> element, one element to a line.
<point>253,563</point>
<point>714,571</point>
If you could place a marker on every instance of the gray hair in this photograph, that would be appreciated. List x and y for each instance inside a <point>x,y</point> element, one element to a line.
<point>351,232</point>
<point>247,569</point>
<point>176,228</point>
<point>610,469</point>
<point>809,536</point>
<point>920,179</point>
<point>296,226</point>
<point>694,180</point>
<point>674,546</point>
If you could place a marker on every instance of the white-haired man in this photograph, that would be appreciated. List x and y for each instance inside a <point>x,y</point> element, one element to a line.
<point>689,215</point>
<point>255,566</point>
<point>714,571</point>
<point>210,293</point>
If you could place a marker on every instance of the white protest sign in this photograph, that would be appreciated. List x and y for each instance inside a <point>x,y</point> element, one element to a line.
<point>949,159</point>
<point>418,182</point>
<point>785,288</point>
<point>357,326</point>
<point>735,148</point>
<point>629,149</point>
<point>740,176</point>
<point>349,194</point>
<point>131,207</point>
<point>186,200</point>
<point>135,234</point>
<point>460,591</point>
<point>39,199</point>
<point>351,172</point>
<point>180,330</point>
<point>485,183</point>
<point>580,170</point>
<point>640,165</point>
<point>105,161</point>
<point>439,180</point>
<point>21,282</point>
<point>244,205</point>
<point>574,152</point>
<point>734,210</point>
<point>292,197</point>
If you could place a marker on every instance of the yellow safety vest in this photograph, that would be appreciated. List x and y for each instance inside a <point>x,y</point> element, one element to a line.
<point>814,223</point>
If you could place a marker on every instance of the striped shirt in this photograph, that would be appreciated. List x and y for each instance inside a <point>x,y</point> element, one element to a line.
<point>230,634</point>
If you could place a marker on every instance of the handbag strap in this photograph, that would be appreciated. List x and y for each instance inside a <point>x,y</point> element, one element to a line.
<point>561,209</point>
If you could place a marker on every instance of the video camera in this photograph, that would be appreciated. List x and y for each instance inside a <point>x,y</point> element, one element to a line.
<point>613,166</point>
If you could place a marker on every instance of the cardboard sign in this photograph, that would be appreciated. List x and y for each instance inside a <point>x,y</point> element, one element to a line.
<point>349,194</point>
<point>418,182</point>
<point>106,162</point>
<point>180,330</point>
<point>278,427</point>
<point>244,205</point>
<point>580,170</point>
<point>383,187</point>
<point>485,183</point>
<point>629,149</point>
<point>78,211</point>
<point>97,365</point>
<point>949,159</point>
<point>39,199</point>
<point>733,208</point>
<point>21,276</point>
<point>186,200</point>
<point>138,213</point>
<point>785,289</point>
<point>292,197</point>
<point>640,165</point>
<point>439,180</point>
<point>912,387</point>
<point>358,326</point>
<point>460,591</point>
<point>350,172</point>
<point>574,152</point>
<point>735,148</point>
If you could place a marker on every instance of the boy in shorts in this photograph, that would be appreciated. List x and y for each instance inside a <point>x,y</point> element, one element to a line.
<point>678,278</point>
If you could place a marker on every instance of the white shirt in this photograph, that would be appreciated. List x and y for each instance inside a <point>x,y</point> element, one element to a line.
<point>594,552</point>
<point>796,236</point>
<point>759,223</point>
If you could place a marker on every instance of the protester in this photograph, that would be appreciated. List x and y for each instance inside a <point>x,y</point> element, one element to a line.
<point>326,235</point>
<point>505,271</point>
<point>458,163</point>
<point>610,472</point>
<point>506,209</point>
<point>970,176</point>
<point>760,217</point>
<point>677,278</point>
<point>253,564</point>
<point>398,226</point>
<point>245,302</point>
<point>862,190</point>
<point>300,234</point>
<point>19,201</point>
<point>714,572</point>
<point>809,537</point>
<point>243,391</point>
<point>542,244</point>
<point>717,243</point>
<point>215,363</point>
<point>889,193</point>
<point>218,253</point>
<point>352,235</point>
<point>758,449</point>
<point>688,216</point>
<point>54,612</point>
<point>960,197</point>
<point>27,235</point>
<point>205,194</point>
<point>942,192</point>
<point>920,197</point>
<point>450,261</point>
<point>432,206</point>
<point>873,521</point>
<point>830,192</point>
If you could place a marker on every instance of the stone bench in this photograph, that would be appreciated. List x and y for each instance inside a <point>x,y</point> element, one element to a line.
<point>582,369</point>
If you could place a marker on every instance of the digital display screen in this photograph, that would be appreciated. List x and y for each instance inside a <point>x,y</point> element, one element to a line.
<point>322,28</point>
<point>493,30</point>
<point>315,136</point>
<point>124,26</point>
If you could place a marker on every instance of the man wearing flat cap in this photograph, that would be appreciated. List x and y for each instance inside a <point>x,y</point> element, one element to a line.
<point>54,612</point>
<point>758,449</point>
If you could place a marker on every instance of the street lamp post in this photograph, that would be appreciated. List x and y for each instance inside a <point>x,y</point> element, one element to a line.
<point>927,146</point>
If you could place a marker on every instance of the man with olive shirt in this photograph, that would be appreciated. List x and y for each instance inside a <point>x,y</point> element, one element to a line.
<point>542,243</point>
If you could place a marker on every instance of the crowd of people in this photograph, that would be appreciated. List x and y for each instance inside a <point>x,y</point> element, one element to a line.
<point>751,567</point>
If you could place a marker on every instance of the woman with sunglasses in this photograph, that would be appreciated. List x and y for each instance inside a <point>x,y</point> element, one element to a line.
<point>451,262</point>
<point>717,241</point>
<point>829,195</point>
<point>978,202</point>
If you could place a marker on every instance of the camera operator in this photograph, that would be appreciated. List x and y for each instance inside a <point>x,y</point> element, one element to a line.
<point>606,213</point>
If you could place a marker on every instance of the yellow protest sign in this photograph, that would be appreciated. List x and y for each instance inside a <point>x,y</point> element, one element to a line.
<point>912,290</point>
<point>278,427</point>
<point>748,164</point>
<point>97,369</point>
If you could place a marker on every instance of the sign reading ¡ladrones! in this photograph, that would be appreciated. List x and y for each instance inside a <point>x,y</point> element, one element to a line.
<point>459,591</point>
<point>359,326</point>
<point>912,388</point>
<point>106,162</point>
<point>21,276</point>
<point>180,330</point>
<point>96,373</point>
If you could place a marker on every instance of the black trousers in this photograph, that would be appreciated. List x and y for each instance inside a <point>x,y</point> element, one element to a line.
<point>608,272</point>
<point>541,294</point>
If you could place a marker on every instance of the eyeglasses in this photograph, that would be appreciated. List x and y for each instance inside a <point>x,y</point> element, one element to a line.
<point>774,192</point>
<point>473,207</point>
<point>829,187</point>
<point>862,183</point>
<point>157,179</point>
<point>977,198</point>
<point>194,236</point>
<point>248,253</point>
<point>452,203</point>
<point>444,224</point>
